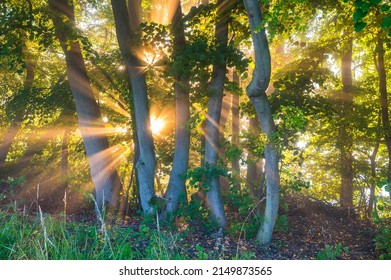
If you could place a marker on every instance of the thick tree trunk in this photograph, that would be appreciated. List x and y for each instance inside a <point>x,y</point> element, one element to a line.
<point>256,91</point>
<point>212,136</point>
<point>384,100</point>
<point>147,162</point>
<point>176,185</point>
<point>19,115</point>
<point>103,173</point>
<point>225,109</point>
<point>345,134</point>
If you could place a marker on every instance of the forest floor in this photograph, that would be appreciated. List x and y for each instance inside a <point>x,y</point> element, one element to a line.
<point>313,226</point>
<point>311,229</point>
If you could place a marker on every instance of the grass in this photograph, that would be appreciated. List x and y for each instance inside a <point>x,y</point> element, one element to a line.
<point>42,237</point>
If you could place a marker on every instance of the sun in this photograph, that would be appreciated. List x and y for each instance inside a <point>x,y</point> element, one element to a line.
<point>157,125</point>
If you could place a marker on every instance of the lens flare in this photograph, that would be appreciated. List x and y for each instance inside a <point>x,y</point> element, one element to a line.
<point>157,125</point>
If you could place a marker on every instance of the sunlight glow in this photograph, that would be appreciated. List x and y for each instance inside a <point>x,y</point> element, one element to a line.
<point>157,125</point>
<point>301,144</point>
<point>149,58</point>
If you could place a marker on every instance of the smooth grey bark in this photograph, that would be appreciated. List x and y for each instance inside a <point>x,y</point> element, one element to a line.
<point>176,185</point>
<point>256,91</point>
<point>125,21</point>
<point>103,173</point>
<point>212,135</point>
<point>225,109</point>
<point>345,134</point>
<point>379,62</point>
<point>19,115</point>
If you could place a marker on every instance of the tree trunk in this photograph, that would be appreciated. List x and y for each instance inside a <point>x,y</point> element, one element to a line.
<point>384,100</point>
<point>225,109</point>
<point>212,136</point>
<point>255,165</point>
<point>103,173</point>
<point>256,91</point>
<point>176,185</point>
<point>19,115</point>
<point>147,162</point>
<point>345,134</point>
<point>235,124</point>
<point>64,161</point>
<point>372,190</point>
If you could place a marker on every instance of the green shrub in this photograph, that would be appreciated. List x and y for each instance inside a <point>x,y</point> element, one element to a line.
<point>383,241</point>
<point>331,252</point>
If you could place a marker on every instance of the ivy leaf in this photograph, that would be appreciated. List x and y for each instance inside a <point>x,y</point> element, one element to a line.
<point>358,26</point>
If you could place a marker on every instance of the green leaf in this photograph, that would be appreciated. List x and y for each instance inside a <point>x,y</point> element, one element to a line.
<point>385,8</point>
<point>386,22</point>
<point>358,26</point>
<point>375,2</point>
<point>359,15</point>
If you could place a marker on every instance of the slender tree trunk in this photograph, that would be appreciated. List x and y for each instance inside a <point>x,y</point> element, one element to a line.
<point>125,22</point>
<point>176,185</point>
<point>256,91</point>
<point>384,99</point>
<point>133,181</point>
<point>19,115</point>
<point>235,124</point>
<point>213,195</point>
<point>255,165</point>
<point>345,134</point>
<point>64,160</point>
<point>103,173</point>
<point>202,143</point>
<point>372,190</point>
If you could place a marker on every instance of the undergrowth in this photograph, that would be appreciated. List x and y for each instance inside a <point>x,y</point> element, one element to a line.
<point>42,237</point>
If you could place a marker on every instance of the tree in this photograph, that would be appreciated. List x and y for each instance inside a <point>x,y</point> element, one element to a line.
<point>19,115</point>
<point>345,134</point>
<point>256,91</point>
<point>176,185</point>
<point>216,87</point>
<point>127,19</point>
<point>106,181</point>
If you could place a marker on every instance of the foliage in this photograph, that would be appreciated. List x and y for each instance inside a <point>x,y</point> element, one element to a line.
<point>383,241</point>
<point>11,184</point>
<point>200,177</point>
<point>244,208</point>
<point>363,8</point>
<point>331,252</point>
<point>282,223</point>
